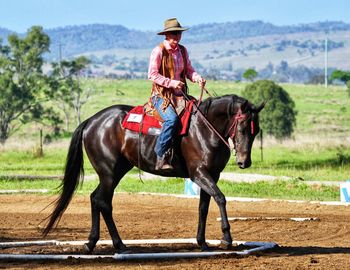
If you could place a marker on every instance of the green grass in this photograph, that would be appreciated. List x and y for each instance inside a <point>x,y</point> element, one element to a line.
<point>323,116</point>
<point>275,190</point>
<point>320,164</point>
<point>28,163</point>
<point>293,190</point>
<point>261,189</point>
<point>25,162</point>
<point>330,164</point>
<point>321,111</point>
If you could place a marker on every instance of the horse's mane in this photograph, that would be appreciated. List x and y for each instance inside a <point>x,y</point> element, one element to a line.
<point>231,99</point>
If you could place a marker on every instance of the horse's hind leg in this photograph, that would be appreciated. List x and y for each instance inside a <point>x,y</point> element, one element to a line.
<point>105,204</point>
<point>101,202</point>
<point>95,223</point>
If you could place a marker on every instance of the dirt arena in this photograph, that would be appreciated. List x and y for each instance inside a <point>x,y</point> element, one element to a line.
<point>318,244</point>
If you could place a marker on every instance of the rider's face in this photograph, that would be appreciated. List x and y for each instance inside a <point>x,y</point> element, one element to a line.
<point>173,38</point>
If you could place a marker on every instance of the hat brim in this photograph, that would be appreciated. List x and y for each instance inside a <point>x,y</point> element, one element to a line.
<point>172,29</point>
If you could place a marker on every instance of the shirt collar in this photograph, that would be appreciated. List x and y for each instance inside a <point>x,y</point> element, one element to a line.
<point>168,47</point>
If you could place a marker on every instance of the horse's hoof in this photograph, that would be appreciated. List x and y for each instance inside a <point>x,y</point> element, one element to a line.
<point>225,245</point>
<point>124,250</point>
<point>204,247</point>
<point>121,248</point>
<point>87,249</point>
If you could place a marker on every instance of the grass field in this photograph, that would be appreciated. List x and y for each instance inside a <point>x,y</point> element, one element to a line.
<point>318,150</point>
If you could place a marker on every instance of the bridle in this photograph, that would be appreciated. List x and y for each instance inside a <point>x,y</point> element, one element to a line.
<point>235,119</point>
<point>233,128</point>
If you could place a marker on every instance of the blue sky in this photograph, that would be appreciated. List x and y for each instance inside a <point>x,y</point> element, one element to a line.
<point>20,15</point>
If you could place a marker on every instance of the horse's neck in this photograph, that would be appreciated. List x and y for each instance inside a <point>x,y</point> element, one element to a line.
<point>218,116</point>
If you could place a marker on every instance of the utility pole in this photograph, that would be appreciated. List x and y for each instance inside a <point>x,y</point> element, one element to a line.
<point>60,52</point>
<point>326,62</point>
<point>261,146</point>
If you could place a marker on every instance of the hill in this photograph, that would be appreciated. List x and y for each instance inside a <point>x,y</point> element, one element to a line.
<point>97,37</point>
<point>292,53</point>
<point>4,32</point>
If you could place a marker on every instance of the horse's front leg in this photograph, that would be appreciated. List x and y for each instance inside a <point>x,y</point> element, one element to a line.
<point>208,184</point>
<point>204,202</point>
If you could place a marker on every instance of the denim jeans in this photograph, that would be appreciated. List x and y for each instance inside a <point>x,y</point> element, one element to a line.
<point>169,127</point>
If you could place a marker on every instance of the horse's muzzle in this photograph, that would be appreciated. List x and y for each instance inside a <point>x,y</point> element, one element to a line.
<point>245,164</point>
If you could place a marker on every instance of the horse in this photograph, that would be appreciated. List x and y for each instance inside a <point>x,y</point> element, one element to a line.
<point>200,155</point>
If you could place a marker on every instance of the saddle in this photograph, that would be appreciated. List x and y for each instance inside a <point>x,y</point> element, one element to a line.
<point>139,120</point>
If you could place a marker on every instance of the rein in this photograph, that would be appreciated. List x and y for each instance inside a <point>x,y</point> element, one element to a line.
<point>206,121</point>
<point>201,95</point>
<point>232,130</point>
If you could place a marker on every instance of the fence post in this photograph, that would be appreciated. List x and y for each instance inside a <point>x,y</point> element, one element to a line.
<point>41,153</point>
<point>261,146</point>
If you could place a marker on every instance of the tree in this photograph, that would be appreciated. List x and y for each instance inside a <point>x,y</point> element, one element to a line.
<point>22,81</point>
<point>250,74</point>
<point>279,117</point>
<point>341,75</point>
<point>68,92</point>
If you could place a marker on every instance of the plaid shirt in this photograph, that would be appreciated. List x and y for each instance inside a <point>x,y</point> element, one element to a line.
<point>156,60</point>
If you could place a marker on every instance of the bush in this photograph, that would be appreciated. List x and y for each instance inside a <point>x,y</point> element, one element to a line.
<point>279,117</point>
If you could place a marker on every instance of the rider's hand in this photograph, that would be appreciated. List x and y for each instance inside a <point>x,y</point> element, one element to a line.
<point>179,85</point>
<point>201,81</point>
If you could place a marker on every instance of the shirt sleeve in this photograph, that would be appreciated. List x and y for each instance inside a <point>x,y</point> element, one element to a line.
<point>191,73</point>
<point>153,69</point>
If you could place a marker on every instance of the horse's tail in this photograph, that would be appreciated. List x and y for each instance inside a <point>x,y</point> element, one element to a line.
<point>74,170</point>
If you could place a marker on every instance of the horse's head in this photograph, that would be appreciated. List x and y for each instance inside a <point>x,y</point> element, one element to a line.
<point>243,129</point>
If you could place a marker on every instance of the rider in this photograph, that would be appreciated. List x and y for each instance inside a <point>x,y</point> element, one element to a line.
<point>169,67</point>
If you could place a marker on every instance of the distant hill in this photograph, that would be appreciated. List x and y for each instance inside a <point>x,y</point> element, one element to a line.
<point>244,29</point>
<point>220,48</point>
<point>4,33</point>
<point>97,37</point>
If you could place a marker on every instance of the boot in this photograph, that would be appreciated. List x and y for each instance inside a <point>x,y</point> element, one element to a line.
<point>163,164</point>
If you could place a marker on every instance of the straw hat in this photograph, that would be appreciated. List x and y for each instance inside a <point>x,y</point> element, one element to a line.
<point>172,25</point>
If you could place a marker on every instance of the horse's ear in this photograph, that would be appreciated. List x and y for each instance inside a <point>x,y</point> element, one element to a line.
<point>261,106</point>
<point>244,106</point>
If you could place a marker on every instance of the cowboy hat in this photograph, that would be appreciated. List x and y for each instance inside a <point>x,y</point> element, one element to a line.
<point>172,25</point>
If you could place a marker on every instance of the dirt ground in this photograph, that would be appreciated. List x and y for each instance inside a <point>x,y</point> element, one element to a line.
<point>318,244</point>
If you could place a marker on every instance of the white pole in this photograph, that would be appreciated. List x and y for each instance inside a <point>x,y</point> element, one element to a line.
<point>252,247</point>
<point>51,257</point>
<point>28,244</point>
<point>257,246</point>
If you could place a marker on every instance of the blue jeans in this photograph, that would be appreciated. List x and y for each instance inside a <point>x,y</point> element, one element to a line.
<point>169,128</point>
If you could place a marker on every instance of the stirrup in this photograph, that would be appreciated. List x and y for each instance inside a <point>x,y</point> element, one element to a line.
<point>163,164</point>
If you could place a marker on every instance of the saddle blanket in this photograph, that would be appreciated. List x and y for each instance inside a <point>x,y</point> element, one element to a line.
<point>137,120</point>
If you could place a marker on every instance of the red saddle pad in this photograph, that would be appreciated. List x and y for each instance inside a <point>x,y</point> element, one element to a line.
<point>137,119</point>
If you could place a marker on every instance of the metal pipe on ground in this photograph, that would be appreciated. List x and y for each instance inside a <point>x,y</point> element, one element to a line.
<point>254,247</point>
<point>297,219</point>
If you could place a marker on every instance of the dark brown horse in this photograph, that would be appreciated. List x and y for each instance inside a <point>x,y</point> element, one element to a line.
<point>201,155</point>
